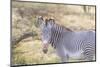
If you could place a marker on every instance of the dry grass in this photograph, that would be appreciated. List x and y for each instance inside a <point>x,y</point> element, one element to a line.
<point>29,50</point>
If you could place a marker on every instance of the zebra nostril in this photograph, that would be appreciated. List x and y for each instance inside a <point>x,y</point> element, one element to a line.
<point>45,51</point>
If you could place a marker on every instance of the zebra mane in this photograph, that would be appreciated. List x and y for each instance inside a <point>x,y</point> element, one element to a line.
<point>66,28</point>
<point>53,21</point>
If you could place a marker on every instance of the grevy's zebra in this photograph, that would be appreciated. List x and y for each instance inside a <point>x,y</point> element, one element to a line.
<point>66,42</point>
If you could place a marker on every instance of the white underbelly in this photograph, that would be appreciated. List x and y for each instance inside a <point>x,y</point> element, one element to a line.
<point>76,55</point>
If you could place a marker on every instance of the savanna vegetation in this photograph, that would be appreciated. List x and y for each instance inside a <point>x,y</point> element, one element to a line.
<point>26,43</point>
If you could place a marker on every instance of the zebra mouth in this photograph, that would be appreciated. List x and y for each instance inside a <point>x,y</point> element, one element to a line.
<point>45,51</point>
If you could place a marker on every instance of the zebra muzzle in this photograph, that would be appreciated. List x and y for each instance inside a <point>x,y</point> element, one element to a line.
<point>45,51</point>
<point>45,48</point>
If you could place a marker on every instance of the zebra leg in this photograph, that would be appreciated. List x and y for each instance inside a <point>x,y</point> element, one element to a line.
<point>62,54</point>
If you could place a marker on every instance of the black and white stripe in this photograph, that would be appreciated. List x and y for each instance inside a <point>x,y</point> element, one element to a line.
<point>73,43</point>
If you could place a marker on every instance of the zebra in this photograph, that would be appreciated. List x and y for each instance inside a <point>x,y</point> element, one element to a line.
<point>66,42</point>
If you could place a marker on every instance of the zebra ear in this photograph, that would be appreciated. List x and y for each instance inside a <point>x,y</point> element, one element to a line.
<point>40,20</point>
<point>40,17</point>
<point>51,20</point>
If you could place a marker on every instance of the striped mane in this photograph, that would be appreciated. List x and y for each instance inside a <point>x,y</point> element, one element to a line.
<point>67,28</point>
<point>53,21</point>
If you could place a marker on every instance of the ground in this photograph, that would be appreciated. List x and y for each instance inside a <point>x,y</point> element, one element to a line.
<point>29,50</point>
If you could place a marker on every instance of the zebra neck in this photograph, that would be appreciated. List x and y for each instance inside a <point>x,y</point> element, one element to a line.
<point>57,34</point>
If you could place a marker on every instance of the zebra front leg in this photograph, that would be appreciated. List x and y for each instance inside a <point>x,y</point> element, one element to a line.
<point>64,58</point>
<point>62,54</point>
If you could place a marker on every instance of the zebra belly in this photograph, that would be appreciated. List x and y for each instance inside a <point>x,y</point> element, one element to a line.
<point>76,55</point>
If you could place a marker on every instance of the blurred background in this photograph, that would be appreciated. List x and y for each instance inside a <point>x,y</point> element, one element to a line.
<point>26,43</point>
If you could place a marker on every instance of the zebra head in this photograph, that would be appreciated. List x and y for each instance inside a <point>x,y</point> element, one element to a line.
<point>46,26</point>
<point>46,34</point>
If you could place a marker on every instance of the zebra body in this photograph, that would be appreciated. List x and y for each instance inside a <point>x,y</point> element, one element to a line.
<point>77,44</point>
<point>68,43</point>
